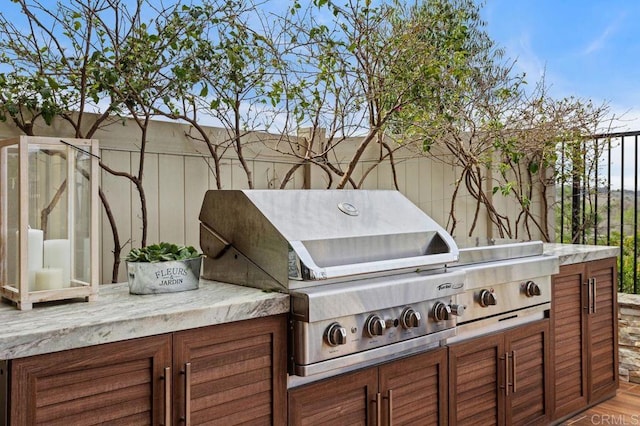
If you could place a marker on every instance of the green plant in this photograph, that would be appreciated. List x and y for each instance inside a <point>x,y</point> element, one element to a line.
<point>162,252</point>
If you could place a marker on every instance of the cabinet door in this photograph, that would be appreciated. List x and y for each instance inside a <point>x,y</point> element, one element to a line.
<point>603,330</point>
<point>476,374</point>
<point>415,389</point>
<point>527,348</point>
<point>568,330</point>
<point>112,383</point>
<point>348,399</point>
<point>231,373</point>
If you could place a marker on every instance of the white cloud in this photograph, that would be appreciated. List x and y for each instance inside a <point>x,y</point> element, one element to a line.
<point>601,40</point>
<point>527,60</point>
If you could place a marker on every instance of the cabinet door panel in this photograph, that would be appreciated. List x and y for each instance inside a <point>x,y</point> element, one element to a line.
<point>585,352</point>
<point>112,383</point>
<point>476,372</point>
<point>528,401</point>
<point>231,373</point>
<point>569,310</point>
<point>603,331</point>
<point>345,400</point>
<point>419,386</point>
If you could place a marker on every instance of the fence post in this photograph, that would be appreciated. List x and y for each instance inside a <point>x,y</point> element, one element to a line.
<point>576,192</point>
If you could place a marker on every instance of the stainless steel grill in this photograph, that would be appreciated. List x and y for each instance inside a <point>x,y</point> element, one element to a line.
<point>366,270</point>
<point>371,276</point>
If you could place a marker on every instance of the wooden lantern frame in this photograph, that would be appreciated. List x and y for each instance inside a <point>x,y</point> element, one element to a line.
<point>19,292</point>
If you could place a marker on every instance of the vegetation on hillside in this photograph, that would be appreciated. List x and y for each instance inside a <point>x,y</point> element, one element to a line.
<point>608,218</point>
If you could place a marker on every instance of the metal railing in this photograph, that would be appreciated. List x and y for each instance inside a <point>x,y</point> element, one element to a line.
<point>598,198</point>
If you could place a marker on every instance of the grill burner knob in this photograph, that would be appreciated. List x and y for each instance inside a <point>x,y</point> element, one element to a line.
<point>375,326</point>
<point>458,309</point>
<point>531,289</point>
<point>487,298</point>
<point>335,335</point>
<point>440,311</point>
<point>410,318</point>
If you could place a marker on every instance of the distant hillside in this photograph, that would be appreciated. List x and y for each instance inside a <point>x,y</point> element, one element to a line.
<point>607,206</point>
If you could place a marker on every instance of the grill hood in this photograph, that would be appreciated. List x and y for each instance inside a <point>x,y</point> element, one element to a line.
<point>288,239</point>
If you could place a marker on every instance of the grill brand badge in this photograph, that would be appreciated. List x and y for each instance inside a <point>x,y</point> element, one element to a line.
<point>452,286</point>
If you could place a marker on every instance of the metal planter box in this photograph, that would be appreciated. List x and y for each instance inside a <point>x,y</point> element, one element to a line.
<point>163,277</point>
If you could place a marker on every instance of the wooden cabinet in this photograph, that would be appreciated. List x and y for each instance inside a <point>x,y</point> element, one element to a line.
<point>476,373</point>
<point>411,390</point>
<point>602,331</point>
<point>414,390</point>
<point>231,371</point>
<point>115,383</point>
<point>345,399</point>
<point>501,378</point>
<point>529,401</point>
<point>585,345</point>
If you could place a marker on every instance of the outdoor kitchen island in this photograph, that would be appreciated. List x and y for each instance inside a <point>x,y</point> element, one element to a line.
<point>229,341</point>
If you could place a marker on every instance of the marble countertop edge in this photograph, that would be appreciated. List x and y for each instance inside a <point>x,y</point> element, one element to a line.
<point>117,316</point>
<point>577,253</point>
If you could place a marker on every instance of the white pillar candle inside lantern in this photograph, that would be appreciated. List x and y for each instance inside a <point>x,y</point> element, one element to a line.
<point>57,254</point>
<point>49,213</point>
<point>49,279</point>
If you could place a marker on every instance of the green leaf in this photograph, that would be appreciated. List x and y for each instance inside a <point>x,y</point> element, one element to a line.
<point>162,252</point>
<point>534,167</point>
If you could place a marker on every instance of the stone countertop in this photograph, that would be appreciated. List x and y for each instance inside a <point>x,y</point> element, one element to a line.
<point>577,253</point>
<point>118,315</point>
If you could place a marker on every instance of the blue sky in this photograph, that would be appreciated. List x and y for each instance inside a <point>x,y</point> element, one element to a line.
<point>587,48</point>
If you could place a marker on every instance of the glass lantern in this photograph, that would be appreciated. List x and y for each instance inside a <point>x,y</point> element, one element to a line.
<point>48,219</point>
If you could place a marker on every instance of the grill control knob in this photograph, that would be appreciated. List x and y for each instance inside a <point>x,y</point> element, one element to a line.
<point>375,326</point>
<point>458,310</point>
<point>487,298</point>
<point>440,311</point>
<point>410,318</point>
<point>335,335</point>
<point>531,289</point>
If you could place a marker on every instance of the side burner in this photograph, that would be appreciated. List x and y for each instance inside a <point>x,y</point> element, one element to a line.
<point>482,250</point>
<point>508,282</point>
